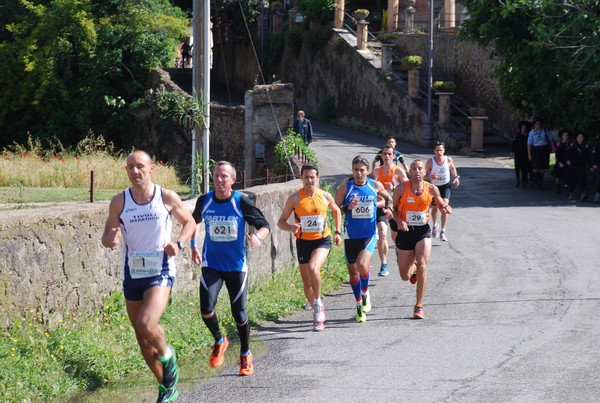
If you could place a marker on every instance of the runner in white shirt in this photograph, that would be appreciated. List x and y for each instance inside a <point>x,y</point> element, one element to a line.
<point>442,173</point>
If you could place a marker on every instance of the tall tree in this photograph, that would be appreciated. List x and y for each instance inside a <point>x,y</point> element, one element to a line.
<point>549,56</point>
<point>71,66</point>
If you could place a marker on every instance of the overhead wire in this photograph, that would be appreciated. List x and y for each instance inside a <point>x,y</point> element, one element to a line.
<point>281,137</point>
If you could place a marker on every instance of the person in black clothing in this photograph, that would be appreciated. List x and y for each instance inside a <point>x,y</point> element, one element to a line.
<point>577,162</point>
<point>560,167</point>
<point>596,168</point>
<point>519,153</point>
<point>303,127</point>
<point>398,157</point>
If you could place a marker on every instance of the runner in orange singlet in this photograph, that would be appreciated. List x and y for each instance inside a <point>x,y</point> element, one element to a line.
<point>390,175</point>
<point>411,202</point>
<point>313,237</point>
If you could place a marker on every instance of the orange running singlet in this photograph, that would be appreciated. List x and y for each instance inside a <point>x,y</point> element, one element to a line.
<point>311,215</point>
<point>414,210</point>
<point>388,180</point>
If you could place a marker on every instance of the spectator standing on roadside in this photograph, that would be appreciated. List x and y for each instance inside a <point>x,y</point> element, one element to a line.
<point>519,153</point>
<point>223,259</point>
<point>313,236</point>
<point>559,171</point>
<point>578,159</point>
<point>143,215</point>
<point>596,168</point>
<point>539,147</point>
<point>303,127</point>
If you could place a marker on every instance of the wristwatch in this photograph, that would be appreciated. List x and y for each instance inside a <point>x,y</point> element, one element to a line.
<point>180,245</point>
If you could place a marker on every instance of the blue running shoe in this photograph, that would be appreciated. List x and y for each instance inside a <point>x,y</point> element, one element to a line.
<point>384,271</point>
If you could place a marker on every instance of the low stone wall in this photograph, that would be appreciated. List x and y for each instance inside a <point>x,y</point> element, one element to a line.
<point>51,258</point>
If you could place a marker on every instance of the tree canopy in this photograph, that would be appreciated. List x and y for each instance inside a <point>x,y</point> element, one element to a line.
<point>549,55</point>
<point>71,66</point>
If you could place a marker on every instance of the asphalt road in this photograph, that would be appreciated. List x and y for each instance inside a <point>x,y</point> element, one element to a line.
<point>512,305</point>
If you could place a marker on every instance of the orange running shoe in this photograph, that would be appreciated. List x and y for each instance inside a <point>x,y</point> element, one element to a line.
<point>246,367</point>
<point>418,313</point>
<point>218,354</point>
<point>413,276</point>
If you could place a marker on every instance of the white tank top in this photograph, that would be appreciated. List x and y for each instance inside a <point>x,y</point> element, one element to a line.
<point>442,171</point>
<point>146,228</point>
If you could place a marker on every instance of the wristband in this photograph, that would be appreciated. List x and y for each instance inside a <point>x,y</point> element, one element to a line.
<point>457,177</point>
<point>338,233</point>
<point>258,236</point>
<point>194,243</point>
<point>345,208</point>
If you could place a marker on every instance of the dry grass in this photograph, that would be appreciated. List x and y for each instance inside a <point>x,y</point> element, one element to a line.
<point>34,166</point>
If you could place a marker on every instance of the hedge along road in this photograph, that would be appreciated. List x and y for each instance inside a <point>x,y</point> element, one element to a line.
<point>513,306</point>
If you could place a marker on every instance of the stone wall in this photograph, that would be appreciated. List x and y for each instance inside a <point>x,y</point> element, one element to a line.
<point>362,94</point>
<point>227,133</point>
<point>51,258</point>
<point>269,113</point>
<point>470,66</point>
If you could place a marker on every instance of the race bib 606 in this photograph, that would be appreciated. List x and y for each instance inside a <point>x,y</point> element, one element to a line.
<point>363,210</point>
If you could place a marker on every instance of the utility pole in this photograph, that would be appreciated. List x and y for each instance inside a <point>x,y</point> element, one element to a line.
<point>428,139</point>
<point>201,83</point>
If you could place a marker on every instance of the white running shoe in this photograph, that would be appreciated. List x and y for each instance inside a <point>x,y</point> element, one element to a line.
<point>443,236</point>
<point>319,313</point>
<point>434,231</point>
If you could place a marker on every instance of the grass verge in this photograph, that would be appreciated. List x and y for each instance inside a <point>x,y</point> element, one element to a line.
<point>99,349</point>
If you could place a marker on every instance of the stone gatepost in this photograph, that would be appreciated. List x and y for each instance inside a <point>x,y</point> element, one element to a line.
<point>392,12</point>
<point>386,57</point>
<point>449,14</point>
<point>477,132</point>
<point>361,34</point>
<point>292,19</point>
<point>277,22</point>
<point>409,16</point>
<point>269,110</point>
<point>444,107</point>
<point>338,16</point>
<point>413,83</point>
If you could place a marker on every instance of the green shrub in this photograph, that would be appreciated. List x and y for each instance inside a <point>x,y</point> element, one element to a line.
<point>292,144</point>
<point>444,86</point>
<point>411,62</point>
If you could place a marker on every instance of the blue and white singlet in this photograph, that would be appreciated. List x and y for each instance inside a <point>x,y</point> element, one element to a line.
<point>360,222</point>
<point>225,229</point>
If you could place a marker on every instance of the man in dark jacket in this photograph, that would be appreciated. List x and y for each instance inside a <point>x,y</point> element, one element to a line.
<point>303,127</point>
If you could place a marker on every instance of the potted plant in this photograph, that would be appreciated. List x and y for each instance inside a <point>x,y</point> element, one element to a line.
<point>360,14</point>
<point>477,111</point>
<point>411,62</point>
<point>276,6</point>
<point>444,86</point>
<point>388,38</point>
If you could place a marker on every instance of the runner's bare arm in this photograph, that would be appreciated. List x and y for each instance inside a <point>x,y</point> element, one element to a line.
<point>182,214</point>
<point>437,197</point>
<point>337,218</point>
<point>288,208</point>
<point>388,202</point>
<point>112,231</point>
<point>454,172</point>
